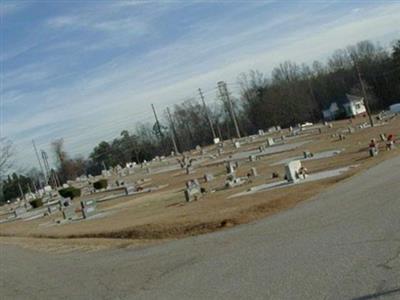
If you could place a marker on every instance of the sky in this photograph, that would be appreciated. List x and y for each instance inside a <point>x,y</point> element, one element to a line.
<point>85,70</point>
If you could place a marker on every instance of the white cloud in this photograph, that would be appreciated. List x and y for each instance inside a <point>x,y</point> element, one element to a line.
<point>11,7</point>
<point>113,96</point>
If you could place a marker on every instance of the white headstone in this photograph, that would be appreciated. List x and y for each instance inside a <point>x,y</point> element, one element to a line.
<point>270,142</point>
<point>292,170</point>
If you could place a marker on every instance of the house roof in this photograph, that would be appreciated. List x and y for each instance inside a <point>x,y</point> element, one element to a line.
<point>352,98</point>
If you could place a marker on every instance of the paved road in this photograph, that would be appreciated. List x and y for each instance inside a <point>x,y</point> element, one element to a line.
<point>343,245</point>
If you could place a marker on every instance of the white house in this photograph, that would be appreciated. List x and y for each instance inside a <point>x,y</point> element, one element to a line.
<point>348,106</point>
<point>395,108</point>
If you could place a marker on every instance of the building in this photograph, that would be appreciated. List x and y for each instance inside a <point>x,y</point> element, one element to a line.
<point>348,106</point>
<point>395,108</point>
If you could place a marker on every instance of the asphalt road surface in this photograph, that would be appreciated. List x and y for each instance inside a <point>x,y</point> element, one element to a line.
<point>344,244</point>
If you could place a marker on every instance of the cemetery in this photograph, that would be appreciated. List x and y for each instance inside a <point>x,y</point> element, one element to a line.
<point>209,188</point>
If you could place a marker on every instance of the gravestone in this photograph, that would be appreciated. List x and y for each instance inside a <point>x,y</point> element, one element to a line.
<point>270,142</point>
<point>130,189</point>
<point>53,208</point>
<point>261,148</point>
<point>193,191</point>
<point>307,154</point>
<point>261,132</point>
<point>237,145</point>
<point>216,141</point>
<point>230,168</point>
<point>198,148</point>
<point>253,172</point>
<point>233,181</point>
<point>208,177</point>
<point>220,151</point>
<point>292,171</point>
<point>69,213</point>
<point>383,137</point>
<point>65,202</point>
<point>88,208</point>
<point>252,158</point>
<point>19,211</point>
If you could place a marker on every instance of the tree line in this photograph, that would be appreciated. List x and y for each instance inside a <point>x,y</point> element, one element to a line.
<point>293,93</point>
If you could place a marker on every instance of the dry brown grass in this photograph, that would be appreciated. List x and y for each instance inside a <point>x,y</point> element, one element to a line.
<point>163,214</point>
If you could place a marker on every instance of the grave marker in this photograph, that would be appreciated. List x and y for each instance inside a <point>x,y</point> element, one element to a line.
<point>253,172</point>
<point>65,202</point>
<point>252,158</point>
<point>130,189</point>
<point>19,211</point>
<point>69,213</point>
<point>88,208</point>
<point>193,191</point>
<point>53,208</point>
<point>208,177</point>
<point>270,142</point>
<point>292,170</point>
<point>307,154</point>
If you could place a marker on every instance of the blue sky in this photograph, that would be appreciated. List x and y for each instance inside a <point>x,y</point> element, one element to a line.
<point>85,70</point>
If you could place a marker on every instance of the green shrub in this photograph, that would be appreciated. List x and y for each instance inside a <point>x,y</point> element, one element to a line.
<point>70,192</point>
<point>101,184</point>
<point>36,203</point>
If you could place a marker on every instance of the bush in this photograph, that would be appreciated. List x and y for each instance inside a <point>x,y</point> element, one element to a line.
<point>101,184</point>
<point>70,192</point>
<point>36,203</point>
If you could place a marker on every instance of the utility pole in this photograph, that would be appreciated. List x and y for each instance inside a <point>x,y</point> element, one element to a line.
<point>157,122</point>
<point>223,90</point>
<point>364,94</point>
<point>207,114</point>
<point>46,167</point>
<point>20,190</point>
<point>50,174</point>
<point>219,131</point>
<point>173,132</point>
<point>40,163</point>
